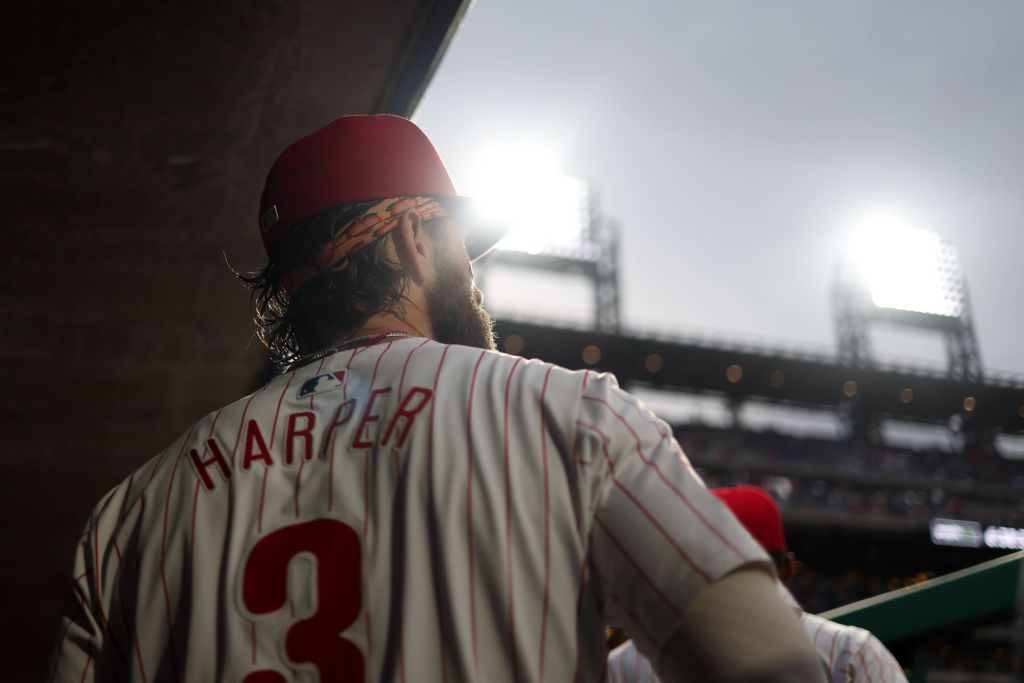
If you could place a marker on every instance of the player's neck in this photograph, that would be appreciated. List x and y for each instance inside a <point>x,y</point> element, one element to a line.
<point>389,322</point>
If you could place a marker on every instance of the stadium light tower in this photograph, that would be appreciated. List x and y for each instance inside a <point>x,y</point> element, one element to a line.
<point>898,274</point>
<point>554,222</point>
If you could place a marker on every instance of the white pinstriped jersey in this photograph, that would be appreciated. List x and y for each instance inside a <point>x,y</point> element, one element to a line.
<point>850,654</point>
<point>407,511</point>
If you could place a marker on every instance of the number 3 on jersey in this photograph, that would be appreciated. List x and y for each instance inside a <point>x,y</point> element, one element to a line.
<point>315,640</point>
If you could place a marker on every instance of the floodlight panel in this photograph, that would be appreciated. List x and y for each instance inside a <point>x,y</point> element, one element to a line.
<point>909,269</point>
<point>521,187</point>
<point>551,217</point>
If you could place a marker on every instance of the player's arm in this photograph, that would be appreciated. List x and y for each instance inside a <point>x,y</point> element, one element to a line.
<point>79,635</point>
<point>875,663</point>
<point>740,630</point>
<point>677,570</point>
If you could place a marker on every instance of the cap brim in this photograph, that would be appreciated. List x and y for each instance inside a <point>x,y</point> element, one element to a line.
<point>484,234</point>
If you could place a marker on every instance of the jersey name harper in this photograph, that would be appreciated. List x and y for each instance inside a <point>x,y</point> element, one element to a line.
<point>302,430</point>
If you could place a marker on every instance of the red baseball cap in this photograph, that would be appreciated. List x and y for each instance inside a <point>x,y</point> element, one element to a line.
<point>756,510</point>
<point>360,158</point>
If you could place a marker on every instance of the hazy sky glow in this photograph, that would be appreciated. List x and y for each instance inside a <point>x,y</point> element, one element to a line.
<point>737,142</point>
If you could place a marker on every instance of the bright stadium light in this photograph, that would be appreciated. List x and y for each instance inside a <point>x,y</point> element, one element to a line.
<point>906,268</point>
<point>521,186</point>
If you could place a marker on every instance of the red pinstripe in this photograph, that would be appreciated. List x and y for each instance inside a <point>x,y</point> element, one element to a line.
<point>192,526</point>
<point>639,570</point>
<point>508,532</point>
<point>273,428</point>
<point>366,485</point>
<point>646,417</point>
<point>88,661</point>
<point>330,464</point>
<point>152,472</point>
<point>191,554</point>
<point>163,555</point>
<point>575,472</point>
<point>96,542</point>
<point>405,366</point>
<point>665,479</point>
<point>469,511</point>
<point>348,366</point>
<point>127,495</point>
<point>860,656</point>
<point>302,461</point>
<point>64,635</point>
<point>401,383</point>
<point>318,369</point>
<point>576,448</point>
<point>96,575</point>
<point>430,488</point>
<point>814,639</point>
<point>241,423</point>
<point>195,500</point>
<point>873,648</point>
<point>133,632</point>
<point>575,481</point>
<point>547,522</point>
<point>832,650</point>
<point>579,608</point>
<point>263,493</point>
<point>640,506</point>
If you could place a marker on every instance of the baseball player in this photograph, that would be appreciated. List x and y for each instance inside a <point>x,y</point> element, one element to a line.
<point>852,655</point>
<point>404,503</point>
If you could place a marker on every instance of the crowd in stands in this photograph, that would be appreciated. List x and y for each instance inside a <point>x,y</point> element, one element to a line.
<point>841,477</point>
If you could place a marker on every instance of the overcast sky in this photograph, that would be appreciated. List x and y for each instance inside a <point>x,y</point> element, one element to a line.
<point>736,141</point>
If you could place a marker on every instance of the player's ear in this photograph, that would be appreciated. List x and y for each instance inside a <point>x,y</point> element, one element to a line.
<point>412,246</point>
<point>787,568</point>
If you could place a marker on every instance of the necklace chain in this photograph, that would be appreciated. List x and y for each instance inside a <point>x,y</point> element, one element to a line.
<point>351,343</point>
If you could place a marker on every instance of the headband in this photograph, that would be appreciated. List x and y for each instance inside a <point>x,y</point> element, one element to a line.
<point>368,227</point>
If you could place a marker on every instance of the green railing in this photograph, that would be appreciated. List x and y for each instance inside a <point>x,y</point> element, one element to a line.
<point>974,595</point>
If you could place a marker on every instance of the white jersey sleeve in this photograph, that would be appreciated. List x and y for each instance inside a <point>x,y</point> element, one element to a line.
<point>851,654</point>
<point>626,665</point>
<point>657,536</point>
<point>81,628</point>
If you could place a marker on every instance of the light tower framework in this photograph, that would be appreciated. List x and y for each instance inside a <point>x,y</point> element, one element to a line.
<point>941,307</point>
<point>594,255</point>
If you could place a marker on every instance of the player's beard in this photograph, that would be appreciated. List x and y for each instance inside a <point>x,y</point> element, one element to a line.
<point>455,315</point>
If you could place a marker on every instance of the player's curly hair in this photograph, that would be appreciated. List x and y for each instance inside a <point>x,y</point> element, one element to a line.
<point>335,301</point>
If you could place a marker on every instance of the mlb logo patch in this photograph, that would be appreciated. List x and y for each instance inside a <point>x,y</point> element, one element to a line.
<point>326,382</point>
